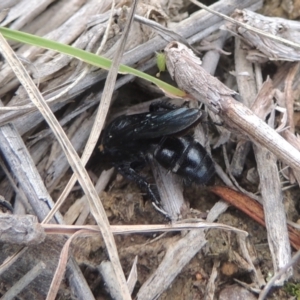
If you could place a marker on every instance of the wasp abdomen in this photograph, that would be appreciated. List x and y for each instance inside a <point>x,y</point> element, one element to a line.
<point>186,157</point>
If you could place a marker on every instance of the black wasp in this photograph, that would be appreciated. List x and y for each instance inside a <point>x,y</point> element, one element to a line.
<point>162,133</point>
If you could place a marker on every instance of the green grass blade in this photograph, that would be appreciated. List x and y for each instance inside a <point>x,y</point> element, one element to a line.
<point>85,56</point>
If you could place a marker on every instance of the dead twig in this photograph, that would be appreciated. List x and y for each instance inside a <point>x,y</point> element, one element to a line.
<point>183,65</point>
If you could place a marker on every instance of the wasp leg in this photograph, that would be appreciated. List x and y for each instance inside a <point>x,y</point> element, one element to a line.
<point>125,169</point>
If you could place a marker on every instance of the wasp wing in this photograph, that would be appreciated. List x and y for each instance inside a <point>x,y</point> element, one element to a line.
<point>151,125</point>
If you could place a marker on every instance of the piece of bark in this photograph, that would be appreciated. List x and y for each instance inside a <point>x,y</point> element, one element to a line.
<point>107,272</point>
<point>247,88</point>
<point>270,185</point>
<point>266,48</point>
<point>289,132</point>
<point>53,16</point>
<point>78,211</point>
<point>22,166</point>
<point>209,63</point>
<point>244,75</point>
<point>133,275</point>
<point>58,163</point>
<point>22,230</point>
<point>248,251</point>
<point>21,13</point>
<point>263,103</point>
<point>211,284</point>
<point>274,212</point>
<point>170,189</point>
<point>239,157</point>
<point>177,256</point>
